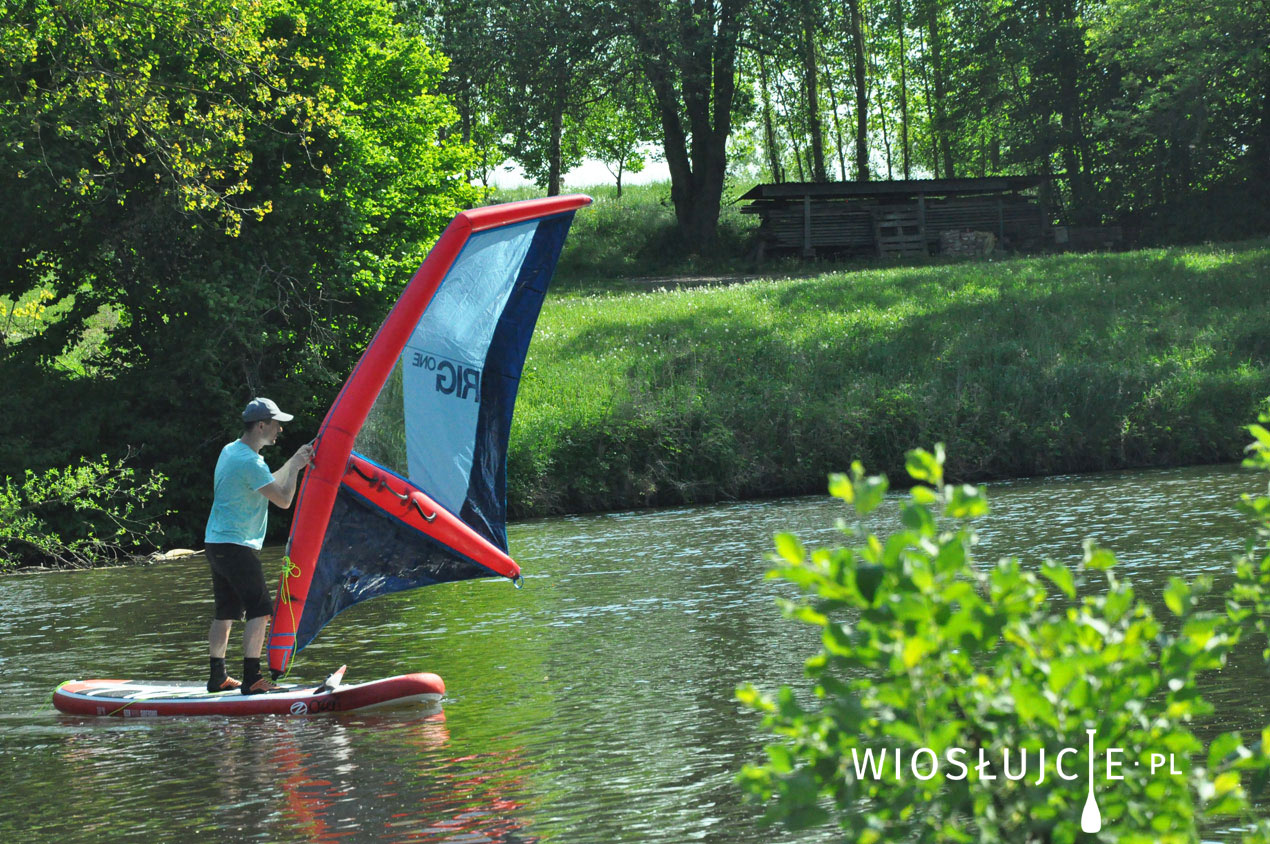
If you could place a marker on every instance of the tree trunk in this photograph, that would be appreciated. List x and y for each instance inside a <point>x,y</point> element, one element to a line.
<point>1069,62</point>
<point>837,124</point>
<point>939,82</point>
<point>1260,147</point>
<point>930,98</point>
<point>861,94</point>
<point>690,60</point>
<point>793,136</point>
<point>886,138</point>
<point>904,146</point>
<point>814,130</point>
<point>557,134</point>
<point>769,129</point>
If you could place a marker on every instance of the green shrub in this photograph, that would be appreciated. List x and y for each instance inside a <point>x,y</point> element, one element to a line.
<point>933,656</point>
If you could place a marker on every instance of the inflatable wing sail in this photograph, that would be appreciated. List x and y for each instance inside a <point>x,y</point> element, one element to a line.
<point>408,482</point>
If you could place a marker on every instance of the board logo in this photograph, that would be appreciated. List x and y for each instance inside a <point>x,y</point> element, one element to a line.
<point>299,708</point>
<point>453,379</point>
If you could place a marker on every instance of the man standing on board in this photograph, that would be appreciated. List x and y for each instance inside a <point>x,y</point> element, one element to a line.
<point>236,531</point>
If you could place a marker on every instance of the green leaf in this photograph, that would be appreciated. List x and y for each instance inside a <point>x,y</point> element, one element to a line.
<point>923,495</point>
<point>837,640</point>
<point>1260,434</point>
<point>952,556</point>
<point>809,615</point>
<point>966,502</point>
<point>1223,746</point>
<point>863,492</point>
<point>1097,559</point>
<point>869,493</point>
<point>925,467</point>
<point>868,577</point>
<point>917,518</point>
<point>1060,576</point>
<point>840,487</point>
<point>1062,672</point>
<point>1030,703</point>
<point>789,548</point>
<point>1177,596</point>
<point>915,648</point>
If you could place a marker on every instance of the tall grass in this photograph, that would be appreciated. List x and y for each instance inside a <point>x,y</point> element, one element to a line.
<point>1022,366</point>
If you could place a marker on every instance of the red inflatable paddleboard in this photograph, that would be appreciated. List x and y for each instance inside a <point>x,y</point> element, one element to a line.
<point>146,699</point>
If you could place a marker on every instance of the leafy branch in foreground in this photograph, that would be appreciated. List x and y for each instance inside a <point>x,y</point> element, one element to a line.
<point>940,680</point>
<point>77,516</point>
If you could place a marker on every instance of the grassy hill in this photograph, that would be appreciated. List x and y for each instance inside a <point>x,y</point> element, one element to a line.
<point>1023,366</point>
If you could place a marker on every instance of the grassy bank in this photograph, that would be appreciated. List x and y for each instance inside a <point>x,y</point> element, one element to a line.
<point>1022,366</point>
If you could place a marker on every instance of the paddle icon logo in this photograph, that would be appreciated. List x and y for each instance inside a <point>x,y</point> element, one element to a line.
<point>1090,817</point>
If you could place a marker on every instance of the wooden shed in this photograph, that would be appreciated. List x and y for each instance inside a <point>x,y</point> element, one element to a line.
<point>908,217</point>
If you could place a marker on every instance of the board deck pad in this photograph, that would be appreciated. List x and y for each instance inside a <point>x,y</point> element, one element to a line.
<point>144,699</point>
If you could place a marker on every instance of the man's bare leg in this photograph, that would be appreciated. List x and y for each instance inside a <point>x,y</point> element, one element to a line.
<point>254,636</point>
<point>218,637</point>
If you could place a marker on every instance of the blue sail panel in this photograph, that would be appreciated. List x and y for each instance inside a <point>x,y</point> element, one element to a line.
<point>368,552</point>
<point>485,508</point>
<point>444,361</point>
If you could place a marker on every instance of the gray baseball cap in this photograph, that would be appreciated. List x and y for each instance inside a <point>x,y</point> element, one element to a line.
<point>259,409</point>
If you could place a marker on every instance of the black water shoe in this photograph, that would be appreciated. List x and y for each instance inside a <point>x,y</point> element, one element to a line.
<point>227,684</point>
<point>262,686</point>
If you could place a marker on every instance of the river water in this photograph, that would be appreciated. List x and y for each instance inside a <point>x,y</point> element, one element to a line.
<point>594,705</point>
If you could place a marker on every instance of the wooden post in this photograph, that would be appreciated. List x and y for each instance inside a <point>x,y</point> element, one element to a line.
<point>807,250</point>
<point>921,219</point>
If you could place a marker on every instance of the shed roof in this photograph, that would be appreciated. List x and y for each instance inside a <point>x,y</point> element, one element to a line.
<point>894,187</point>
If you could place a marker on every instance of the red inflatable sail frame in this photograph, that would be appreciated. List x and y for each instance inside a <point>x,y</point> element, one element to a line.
<point>334,443</point>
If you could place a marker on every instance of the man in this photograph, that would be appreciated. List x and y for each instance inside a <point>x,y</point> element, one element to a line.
<point>236,531</point>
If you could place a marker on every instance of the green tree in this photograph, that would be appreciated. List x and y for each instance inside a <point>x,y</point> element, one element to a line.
<point>83,515</point>
<point>788,42</point>
<point>246,185</point>
<point>689,53</point>
<point>560,61</point>
<point>1189,111</point>
<point>476,76</point>
<point>618,128</point>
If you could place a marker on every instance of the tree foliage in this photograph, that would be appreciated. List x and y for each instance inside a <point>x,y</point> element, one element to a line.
<point>619,126</point>
<point>1138,110</point>
<point>246,186</point>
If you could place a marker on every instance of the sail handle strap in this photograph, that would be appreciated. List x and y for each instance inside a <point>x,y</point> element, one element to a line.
<point>377,481</point>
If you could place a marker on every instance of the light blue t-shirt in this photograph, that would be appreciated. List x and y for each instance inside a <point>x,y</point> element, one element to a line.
<point>239,511</point>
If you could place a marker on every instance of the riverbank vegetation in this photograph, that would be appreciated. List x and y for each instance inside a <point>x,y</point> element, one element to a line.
<point>946,692</point>
<point>94,513</point>
<point>1022,366</point>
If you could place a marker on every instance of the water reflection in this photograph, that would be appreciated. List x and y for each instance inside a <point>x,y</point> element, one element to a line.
<point>431,796</point>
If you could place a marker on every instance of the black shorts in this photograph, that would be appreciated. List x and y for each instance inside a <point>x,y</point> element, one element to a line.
<point>238,582</point>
